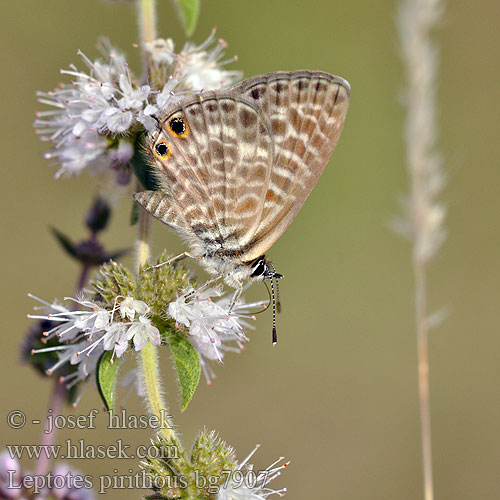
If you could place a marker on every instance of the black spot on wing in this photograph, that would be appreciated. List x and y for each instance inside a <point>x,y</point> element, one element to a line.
<point>257,92</point>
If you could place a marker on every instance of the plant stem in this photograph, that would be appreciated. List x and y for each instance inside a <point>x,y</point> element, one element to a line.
<point>416,21</point>
<point>154,397</point>
<point>82,279</point>
<point>49,438</point>
<point>142,244</point>
<point>419,270</point>
<point>147,26</point>
<point>149,357</point>
<point>147,23</point>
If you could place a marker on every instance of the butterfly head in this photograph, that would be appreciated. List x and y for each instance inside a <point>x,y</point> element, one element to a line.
<point>261,269</point>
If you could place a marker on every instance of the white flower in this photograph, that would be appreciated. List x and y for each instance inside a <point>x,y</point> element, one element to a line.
<point>198,67</point>
<point>85,334</point>
<point>116,338</point>
<point>161,51</point>
<point>130,306</point>
<point>102,318</point>
<point>201,67</point>
<point>244,484</point>
<point>70,323</point>
<point>106,101</point>
<point>163,100</point>
<point>146,115</point>
<point>141,331</point>
<point>83,110</point>
<point>103,100</point>
<point>88,362</point>
<point>182,309</point>
<point>213,330</point>
<point>76,153</point>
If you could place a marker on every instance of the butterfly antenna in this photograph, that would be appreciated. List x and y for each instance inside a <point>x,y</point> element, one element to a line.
<point>275,334</point>
<point>278,302</point>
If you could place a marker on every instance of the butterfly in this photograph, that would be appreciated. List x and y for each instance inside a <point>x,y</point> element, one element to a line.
<point>236,165</point>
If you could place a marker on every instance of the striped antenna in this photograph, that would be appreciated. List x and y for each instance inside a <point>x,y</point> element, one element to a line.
<point>276,276</point>
<point>275,334</point>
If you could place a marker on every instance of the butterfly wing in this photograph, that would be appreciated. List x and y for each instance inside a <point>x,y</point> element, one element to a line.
<point>216,172</point>
<point>306,112</point>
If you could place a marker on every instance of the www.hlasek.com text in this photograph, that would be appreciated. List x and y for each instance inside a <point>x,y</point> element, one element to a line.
<point>79,450</point>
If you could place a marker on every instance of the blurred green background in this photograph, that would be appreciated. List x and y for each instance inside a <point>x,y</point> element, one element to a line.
<point>338,396</point>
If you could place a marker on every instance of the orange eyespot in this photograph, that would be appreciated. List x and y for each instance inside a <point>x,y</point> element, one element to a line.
<point>178,127</point>
<point>162,150</point>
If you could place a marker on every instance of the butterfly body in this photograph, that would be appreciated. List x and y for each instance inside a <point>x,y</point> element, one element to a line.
<point>220,257</point>
<point>236,165</point>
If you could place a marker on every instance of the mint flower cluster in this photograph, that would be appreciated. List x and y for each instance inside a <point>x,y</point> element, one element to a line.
<point>95,120</point>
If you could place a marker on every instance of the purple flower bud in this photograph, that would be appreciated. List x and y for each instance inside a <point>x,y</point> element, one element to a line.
<point>98,216</point>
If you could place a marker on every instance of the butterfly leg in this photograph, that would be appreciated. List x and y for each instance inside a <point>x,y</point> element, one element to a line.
<point>209,282</point>
<point>181,256</point>
<point>236,295</point>
<point>204,286</point>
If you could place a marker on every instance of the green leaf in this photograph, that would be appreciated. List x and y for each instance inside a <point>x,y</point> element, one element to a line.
<point>187,366</point>
<point>106,376</point>
<point>189,11</point>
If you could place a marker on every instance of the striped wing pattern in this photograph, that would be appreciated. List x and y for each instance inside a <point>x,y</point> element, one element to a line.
<point>215,178</point>
<point>251,157</point>
<point>306,112</point>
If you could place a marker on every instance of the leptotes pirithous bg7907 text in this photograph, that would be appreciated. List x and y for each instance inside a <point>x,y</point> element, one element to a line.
<point>236,165</point>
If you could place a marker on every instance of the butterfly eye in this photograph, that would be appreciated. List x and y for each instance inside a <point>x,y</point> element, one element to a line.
<point>178,126</point>
<point>259,268</point>
<point>162,149</point>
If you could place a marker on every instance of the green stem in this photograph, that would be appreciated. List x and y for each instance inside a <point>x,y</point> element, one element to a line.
<point>142,244</point>
<point>147,12</point>
<point>149,356</point>
<point>149,359</point>
<point>154,397</point>
<point>147,25</point>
